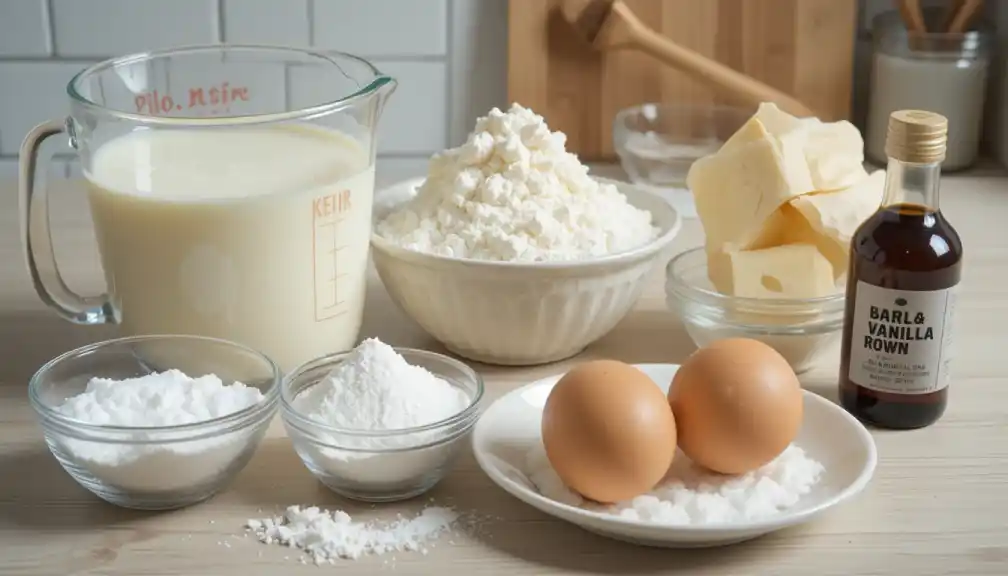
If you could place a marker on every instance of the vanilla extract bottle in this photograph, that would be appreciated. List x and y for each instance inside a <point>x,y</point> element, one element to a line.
<point>905,265</point>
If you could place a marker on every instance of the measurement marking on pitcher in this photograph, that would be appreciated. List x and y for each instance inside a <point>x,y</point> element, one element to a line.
<point>327,215</point>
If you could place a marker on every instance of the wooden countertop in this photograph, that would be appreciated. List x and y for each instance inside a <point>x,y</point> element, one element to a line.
<point>938,504</point>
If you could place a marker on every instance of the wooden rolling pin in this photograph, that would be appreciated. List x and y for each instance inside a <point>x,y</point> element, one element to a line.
<point>611,25</point>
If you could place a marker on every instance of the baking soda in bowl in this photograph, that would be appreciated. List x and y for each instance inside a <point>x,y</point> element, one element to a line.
<point>376,390</point>
<point>141,464</point>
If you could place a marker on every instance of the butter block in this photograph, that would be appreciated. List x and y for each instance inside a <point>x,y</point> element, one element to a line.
<point>834,152</point>
<point>774,120</point>
<point>836,215</point>
<point>787,225</point>
<point>719,270</point>
<point>789,271</point>
<point>739,187</point>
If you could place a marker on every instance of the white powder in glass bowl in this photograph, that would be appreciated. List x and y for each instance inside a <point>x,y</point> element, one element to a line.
<point>375,389</point>
<point>169,398</point>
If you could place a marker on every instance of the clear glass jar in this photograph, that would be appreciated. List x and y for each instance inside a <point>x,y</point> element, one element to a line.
<point>939,72</point>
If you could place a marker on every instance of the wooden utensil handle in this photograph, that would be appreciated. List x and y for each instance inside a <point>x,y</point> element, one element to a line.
<point>728,81</point>
<point>913,18</point>
<point>964,15</point>
<point>953,9</point>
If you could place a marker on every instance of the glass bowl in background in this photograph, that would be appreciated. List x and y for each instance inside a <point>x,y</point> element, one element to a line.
<point>657,143</point>
<point>381,465</point>
<point>800,329</point>
<point>154,468</point>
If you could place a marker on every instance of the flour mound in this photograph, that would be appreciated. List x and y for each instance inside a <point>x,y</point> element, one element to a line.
<point>512,192</point>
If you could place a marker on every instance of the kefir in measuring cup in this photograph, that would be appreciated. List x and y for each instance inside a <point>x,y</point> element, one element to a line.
<point>219,210</point>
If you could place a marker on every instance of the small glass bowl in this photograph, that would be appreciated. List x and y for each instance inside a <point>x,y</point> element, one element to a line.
<point>800,329</point>
<point>381,465</point>
<point>657,143</point>
<point>154,468</point>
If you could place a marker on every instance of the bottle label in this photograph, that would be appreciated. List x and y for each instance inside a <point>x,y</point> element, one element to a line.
<point>901,339</point>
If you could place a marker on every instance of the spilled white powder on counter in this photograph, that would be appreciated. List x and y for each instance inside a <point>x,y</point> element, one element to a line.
<point>169,398</point>
<point>690,495</point>
<point>376,389</point>
<point>328,536</point>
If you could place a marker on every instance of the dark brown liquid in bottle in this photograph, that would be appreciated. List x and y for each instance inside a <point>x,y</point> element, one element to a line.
<point>902,247</point>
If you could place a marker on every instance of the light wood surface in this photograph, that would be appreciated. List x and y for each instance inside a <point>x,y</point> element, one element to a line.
<point>802,47</point>
<point>938,505</point>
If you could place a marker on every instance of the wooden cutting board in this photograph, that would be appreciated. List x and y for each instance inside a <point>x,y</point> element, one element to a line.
<point>804,47</point>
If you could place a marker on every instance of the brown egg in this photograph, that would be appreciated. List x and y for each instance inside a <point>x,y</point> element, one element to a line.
<point>608,431</point>
<point>737,405</point>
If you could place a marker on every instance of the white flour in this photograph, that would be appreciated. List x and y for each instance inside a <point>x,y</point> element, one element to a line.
<point>692,496</point>
<point>512,192</point>
<point>168,398</point>
<point>329,536</point>
<point>376,389</point>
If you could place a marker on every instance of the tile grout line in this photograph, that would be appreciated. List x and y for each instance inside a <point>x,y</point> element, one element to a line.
<point>50,29</point>
<point>220,21</point>
<point>449,61</point>
<point>310,9</point>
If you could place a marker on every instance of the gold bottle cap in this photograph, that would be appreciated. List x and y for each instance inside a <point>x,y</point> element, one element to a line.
<point>917,136</point>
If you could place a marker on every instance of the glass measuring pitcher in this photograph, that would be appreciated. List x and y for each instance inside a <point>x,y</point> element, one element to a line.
<point>231,191</point>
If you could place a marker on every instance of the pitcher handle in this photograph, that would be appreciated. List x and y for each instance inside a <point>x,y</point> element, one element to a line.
<point>36,238</point>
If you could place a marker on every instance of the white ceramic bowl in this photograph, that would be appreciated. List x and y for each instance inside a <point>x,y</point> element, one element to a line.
<point>519,313</point>
<point>510,428</point>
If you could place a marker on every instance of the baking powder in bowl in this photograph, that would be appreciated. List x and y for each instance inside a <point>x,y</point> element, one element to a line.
<point>376,389</point>
<point>169,398</point>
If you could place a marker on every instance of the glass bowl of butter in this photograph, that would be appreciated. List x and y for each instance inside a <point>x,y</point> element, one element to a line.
<point>799,328</point>
<point>779,203</point>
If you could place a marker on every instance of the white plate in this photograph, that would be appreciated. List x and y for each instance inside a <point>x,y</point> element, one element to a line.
<point>510,427</point>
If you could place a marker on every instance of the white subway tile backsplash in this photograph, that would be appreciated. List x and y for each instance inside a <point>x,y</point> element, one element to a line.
<point>478,63</point>
<point>391,170</point>
<point>31,92</point>
<point>24,29</point>
<point>277,22</point>
<point>382,27</point>
<point>102,28</point>
<point>9,169</point>
<point>415,117</point>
